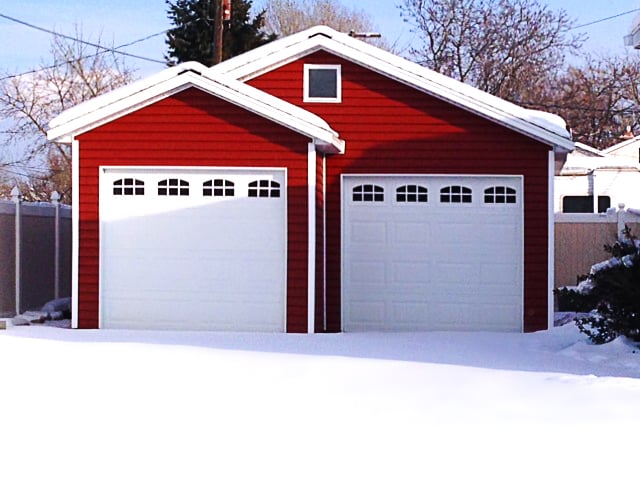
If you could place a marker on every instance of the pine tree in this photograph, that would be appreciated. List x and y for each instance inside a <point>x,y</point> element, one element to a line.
<point>192,37</point>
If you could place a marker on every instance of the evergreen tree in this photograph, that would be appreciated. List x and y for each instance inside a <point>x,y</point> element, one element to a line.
<point>192,37</point>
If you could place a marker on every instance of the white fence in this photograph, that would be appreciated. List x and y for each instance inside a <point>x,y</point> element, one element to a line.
<point>580,239</point>
<point>35,254</point>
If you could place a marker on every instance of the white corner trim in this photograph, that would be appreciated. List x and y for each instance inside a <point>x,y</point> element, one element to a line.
<point>311,248</point>
<point>551,240</point>
<point>75,230</point>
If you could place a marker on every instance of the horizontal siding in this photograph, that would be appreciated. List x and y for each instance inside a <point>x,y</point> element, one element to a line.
<point>392,128</point>
<point>193,129</point>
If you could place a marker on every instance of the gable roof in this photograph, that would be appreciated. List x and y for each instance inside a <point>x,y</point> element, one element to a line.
<point>119,102</point>
<point>544,127</point>
<point>621,145</point>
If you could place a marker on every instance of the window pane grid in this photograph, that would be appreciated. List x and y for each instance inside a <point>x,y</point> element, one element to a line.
<point>128,186</point>
<point>368,193</point>
<point>264,189</point>
<point>218,187</point>
<point>173,187</point>
<point>412,194</point>
<point>455,194</point>
<point>500,195</point>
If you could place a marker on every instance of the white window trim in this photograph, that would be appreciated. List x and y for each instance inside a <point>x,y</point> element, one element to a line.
<point>309,99</point>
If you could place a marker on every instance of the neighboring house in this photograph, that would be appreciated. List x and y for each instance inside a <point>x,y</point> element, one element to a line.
<point>591,181</point>
<point>315,184</point>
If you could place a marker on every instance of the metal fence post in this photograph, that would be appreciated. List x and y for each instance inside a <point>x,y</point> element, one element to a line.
<point>55,199</point>
<point>16,196</point>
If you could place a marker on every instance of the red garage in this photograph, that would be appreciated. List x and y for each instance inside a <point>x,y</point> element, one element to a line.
<point>316,183</point>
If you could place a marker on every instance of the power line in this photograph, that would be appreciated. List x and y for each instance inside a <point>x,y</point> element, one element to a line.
<point>115,50</point>
<point>69,37</point>
<point>605,19</point>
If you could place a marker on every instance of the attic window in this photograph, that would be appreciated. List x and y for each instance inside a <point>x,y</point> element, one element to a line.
<point>322,83</point>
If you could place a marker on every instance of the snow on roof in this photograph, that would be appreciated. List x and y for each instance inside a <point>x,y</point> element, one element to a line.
<point>585,159</point>
<point>543,126</point>
<point>618,146</point>
<point>584,150</point>
<point>119,102</point>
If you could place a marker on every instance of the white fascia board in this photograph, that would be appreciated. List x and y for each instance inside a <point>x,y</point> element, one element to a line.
<point>620,145</point>
<point>97,103</point>
<point>589,149</point>
<point>547,128</point>
<point>245,96</point>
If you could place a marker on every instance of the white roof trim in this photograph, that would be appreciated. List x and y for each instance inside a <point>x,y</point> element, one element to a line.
<point>620,145</point>
<point>542,126</point>
<point>589,149</point>
<point>117,103</point>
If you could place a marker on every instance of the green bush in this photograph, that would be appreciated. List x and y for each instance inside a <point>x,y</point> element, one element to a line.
<point>613,287</point>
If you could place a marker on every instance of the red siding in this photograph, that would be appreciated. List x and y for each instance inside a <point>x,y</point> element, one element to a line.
<point>392,128</point>
<point>193,128</point>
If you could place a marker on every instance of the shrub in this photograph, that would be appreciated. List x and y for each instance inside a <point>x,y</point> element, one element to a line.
<point>614,288</point>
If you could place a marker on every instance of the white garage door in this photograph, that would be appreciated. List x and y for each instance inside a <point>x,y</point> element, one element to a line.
<point>193,249</point>
<point>432,253</point>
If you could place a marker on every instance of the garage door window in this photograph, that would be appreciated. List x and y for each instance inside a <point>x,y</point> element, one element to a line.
<point>128,186</point>
<point>264,188</point>
<point>218,187</point>
<point>173,187</point>
<point>411,194</point>
<point>455,194</point>
<point>500,194</point>
<point>368,193</point>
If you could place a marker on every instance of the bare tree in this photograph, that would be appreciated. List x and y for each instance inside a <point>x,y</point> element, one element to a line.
<point>29,101</point>
<point>599,99</point>
<point>284,17</point>
<point>500,46</point>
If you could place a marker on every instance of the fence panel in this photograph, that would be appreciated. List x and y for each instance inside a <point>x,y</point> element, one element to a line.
<point>37,255</point>
<point>580,239</point>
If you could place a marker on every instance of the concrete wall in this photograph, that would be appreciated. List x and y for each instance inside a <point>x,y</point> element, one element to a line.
<point>37,255</point>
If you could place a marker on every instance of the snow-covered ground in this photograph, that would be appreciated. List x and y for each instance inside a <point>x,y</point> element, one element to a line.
<point>152,405</point>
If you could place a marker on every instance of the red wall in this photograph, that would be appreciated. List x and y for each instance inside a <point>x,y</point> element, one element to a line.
<point>193,128</point>
<point>392,128</point>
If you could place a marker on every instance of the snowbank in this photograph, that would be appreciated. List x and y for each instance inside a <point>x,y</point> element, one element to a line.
<point>125,404</point>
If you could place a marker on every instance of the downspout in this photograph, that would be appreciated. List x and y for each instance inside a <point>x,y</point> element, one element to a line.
<point>311,247</point>
<point>551,243</point>
<point>324,243</point>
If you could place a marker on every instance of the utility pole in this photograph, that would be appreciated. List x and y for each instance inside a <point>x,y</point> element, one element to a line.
<point>222,16</point>
<point>218,30</point>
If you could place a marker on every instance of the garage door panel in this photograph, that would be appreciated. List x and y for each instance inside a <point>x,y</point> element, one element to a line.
<point>193,261</point>
<point>411,273</point>
<point>412,233</point>
<point>436,265</point>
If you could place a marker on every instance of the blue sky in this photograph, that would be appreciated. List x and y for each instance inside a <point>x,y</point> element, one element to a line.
<point>119,21</point>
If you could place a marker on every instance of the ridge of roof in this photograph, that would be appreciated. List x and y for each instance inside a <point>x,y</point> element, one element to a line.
<point>543,126</point>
